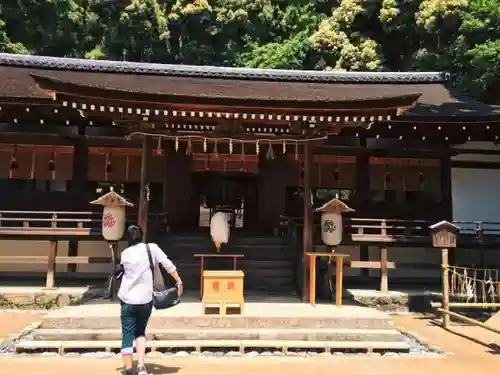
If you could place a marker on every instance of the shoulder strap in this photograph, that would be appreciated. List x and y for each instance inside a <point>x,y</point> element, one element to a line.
<point>150,257</point>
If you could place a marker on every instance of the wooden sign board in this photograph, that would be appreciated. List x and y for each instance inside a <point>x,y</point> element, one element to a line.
<point>444,239</point>
<point>444,235</point>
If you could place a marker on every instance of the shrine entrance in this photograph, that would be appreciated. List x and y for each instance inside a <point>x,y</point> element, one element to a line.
<point>234,193</point>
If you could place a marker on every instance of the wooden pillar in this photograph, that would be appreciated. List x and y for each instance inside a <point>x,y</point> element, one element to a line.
<point>51,264</point>
<point>78,191</point>
<point>308,229</point>
<point>362,195</point>
<point>446,287</point>
<point>446,194</point>
<point>144,186</point>
<point>165,188</point>
<point>384,270</point>
<point>446,188</point>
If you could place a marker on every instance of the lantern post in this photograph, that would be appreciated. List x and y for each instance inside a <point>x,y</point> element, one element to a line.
<point>113,226</point>
<point>444,236</point>
<point>331,234</point>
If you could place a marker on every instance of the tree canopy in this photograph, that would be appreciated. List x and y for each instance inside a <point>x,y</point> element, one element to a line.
<point>458,36</point>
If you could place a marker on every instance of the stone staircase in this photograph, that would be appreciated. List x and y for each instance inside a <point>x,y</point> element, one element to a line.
<point>268,262</point>
<point>283,327</point>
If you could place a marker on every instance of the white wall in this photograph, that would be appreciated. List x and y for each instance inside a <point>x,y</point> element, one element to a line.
<point>476,192</point>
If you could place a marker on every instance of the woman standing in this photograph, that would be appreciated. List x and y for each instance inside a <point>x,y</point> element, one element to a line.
<point>136,294</point>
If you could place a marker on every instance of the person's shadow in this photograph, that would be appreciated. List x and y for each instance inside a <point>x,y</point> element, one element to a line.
<point>156,369</point>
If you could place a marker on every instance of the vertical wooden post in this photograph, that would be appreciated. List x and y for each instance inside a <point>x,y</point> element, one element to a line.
<point>78,186</point>
<point>307,235</point>
<point>143,194</point>
<point>384,271</point>
<point>446,192</point>
<point>339,278</point>
<point>165,187</point>
<point>113,246</point>
<point>446,287</point>
<point>362,198</point>
<point>51,264</point>
<point>312,279</point>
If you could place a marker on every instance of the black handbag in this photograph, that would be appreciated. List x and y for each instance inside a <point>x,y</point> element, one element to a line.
<point>162,298</point>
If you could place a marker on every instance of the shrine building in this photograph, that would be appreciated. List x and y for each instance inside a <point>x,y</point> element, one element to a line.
<point>403,150</point>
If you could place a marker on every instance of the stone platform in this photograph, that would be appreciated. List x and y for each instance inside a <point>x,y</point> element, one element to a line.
<point>280,326</point>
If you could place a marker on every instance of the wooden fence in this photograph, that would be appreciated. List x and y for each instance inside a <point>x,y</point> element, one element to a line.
<point>400,233</point>
<point>55,227</point>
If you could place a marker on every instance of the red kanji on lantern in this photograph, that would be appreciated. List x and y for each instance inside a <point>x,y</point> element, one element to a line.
<point>230,285</point>
<point>108,221</point>
<point>215,286</point>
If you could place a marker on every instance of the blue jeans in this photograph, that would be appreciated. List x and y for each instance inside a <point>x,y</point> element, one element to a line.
<point>134,319</point>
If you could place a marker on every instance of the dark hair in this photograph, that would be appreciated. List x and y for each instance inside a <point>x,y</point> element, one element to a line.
<point>134,235</point>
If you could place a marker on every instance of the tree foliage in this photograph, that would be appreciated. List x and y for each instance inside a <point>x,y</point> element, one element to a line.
<point>460,36</point>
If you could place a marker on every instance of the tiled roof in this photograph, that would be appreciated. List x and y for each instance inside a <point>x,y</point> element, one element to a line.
<point>125,67</point>
<point>158,82</point>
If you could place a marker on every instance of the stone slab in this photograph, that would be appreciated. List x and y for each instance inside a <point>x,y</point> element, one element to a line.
<point>241,345</point>
<point>381,335</point>
<point>256,316</point>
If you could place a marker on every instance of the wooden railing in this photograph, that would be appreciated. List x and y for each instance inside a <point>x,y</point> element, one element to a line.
<point>407,232</point>
<point>59,223</point>
<point>55,227</point>
<point>398,232</point>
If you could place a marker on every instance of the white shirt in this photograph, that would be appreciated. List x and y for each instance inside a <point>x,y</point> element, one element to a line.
<point>137,281</point>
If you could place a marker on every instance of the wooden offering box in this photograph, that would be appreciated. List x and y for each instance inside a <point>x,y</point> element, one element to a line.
<point>223,291</point>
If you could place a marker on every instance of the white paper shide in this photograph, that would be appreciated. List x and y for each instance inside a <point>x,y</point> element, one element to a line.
<point>219,229</point>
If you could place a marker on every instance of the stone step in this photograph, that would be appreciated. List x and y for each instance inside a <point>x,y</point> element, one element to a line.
<point>250,250</point>
<point>221,322</point>
<point>379,335</point>
<point>226,247</point>
<point>261,269</point>
<point>251,240</point>
<point>241,264</point>
<point>200,345</point>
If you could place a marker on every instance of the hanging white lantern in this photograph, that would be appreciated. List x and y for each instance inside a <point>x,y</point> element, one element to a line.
<point>219,229</point>
<point>331,221</point>
<point>113,215</point>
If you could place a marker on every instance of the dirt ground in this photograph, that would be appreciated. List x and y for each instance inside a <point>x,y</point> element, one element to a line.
<point>13,322</point>
<point>474,350</point>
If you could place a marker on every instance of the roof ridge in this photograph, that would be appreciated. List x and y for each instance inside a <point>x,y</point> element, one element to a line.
<point>126,67</point>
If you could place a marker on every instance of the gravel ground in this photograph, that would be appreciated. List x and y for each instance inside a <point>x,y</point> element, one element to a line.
<point>417,348</point>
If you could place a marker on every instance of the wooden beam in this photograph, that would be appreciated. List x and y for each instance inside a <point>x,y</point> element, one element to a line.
<point>475,164</point>
<point>51,264</point>
<point>384,270</point>
<point>307,235</point>
<point>144,185</point>
<point>78,186</point>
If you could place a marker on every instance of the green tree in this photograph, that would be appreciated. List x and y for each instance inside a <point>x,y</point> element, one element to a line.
<point>6,45</point>
<point>50,27</point>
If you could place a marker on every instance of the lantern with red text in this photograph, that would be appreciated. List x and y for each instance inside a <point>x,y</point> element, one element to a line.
<point>113,215</point>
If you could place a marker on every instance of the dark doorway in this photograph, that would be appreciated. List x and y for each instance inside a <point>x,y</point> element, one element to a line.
<point>234,193</point>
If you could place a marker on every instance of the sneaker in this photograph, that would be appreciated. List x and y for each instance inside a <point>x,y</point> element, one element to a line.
<point>128,372</point>
<point>142,371</point>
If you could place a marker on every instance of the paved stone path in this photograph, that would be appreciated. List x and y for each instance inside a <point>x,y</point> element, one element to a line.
<point>471,355</point>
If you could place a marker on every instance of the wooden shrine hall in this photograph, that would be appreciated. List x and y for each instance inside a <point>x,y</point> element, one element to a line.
<point>188,141</point>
